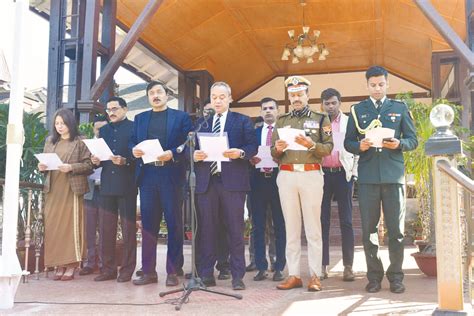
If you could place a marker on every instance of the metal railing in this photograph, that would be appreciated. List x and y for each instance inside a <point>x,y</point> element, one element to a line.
<point>30,224</point>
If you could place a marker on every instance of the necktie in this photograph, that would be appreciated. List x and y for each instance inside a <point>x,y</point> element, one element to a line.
<point>268,143</point>
<point>216,130</point>
<point>379,104</point>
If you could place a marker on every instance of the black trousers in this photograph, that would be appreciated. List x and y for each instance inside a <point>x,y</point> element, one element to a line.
<point>113,206</point>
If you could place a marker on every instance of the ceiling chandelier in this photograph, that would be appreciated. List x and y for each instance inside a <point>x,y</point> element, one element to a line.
<point>304,46</point>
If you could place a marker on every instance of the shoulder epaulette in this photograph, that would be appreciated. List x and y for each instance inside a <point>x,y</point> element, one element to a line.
<point>283,115</point>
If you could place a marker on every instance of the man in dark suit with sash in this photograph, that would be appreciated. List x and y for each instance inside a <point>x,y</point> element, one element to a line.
<point>221,187</point>
<point>381,175</point>
<point>161,182</point>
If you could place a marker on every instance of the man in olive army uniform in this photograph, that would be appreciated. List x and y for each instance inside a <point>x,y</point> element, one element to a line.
<point>381,175</point>
<point>300,180</point>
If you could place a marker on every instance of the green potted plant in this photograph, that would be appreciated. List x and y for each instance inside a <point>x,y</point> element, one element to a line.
<point>420,165</point>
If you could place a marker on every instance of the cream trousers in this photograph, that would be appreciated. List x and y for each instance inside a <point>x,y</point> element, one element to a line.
<point>301,194</point>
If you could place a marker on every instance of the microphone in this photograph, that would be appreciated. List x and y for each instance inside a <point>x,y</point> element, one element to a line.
<point>206,115</point>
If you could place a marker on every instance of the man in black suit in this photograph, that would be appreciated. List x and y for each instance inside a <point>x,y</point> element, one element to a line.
<point>118,195</point>
<point>264,196</point>
<point>221,187</point>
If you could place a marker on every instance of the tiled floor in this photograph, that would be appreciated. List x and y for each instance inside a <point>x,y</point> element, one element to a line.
<point>84,296</point>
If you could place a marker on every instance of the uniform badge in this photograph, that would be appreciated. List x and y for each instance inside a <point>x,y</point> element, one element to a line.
<point>327,130</point>
<point>310,124</point>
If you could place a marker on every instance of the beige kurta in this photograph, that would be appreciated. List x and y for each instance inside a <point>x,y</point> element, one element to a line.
<point>64,218</point>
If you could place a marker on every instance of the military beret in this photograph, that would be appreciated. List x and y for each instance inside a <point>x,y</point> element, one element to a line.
<point>297,83</point>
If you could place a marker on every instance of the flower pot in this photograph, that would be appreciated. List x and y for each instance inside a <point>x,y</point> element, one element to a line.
<point>426,263</point>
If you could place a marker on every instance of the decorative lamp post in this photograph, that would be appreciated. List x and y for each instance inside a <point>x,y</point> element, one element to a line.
<point>443,145</point>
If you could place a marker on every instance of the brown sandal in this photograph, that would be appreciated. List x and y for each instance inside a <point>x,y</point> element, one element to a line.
<point>69,274</point>
<point>59,273</point>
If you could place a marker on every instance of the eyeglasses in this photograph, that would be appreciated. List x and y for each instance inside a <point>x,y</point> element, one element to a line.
<point>112,110</point>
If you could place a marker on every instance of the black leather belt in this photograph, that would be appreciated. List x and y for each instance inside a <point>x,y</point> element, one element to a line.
<point>157,163</point>
<point>266,174</point>
<point>330,169</point>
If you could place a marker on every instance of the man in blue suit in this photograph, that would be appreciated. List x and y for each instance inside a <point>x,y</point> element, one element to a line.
<point>264,197</point>
<point>161,182</point>
<point>221,187</point>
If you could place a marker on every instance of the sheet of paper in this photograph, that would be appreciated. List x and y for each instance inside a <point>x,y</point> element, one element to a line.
<point>214,146</point>
<point>338,140</point>
<point>49,159</point>
<point>96,174</point>
<point>152,149</point>
<point>376,135</point>
<point>99,148</point>
<point>288,135</point>
<point>266,156</point>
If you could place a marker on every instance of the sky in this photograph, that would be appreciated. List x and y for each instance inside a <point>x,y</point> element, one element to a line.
<point>36,47</point>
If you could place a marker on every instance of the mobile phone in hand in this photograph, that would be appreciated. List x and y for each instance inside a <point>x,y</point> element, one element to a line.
<point>387,139</point>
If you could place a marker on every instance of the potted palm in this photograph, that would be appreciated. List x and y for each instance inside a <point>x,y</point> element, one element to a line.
<point>419,165</point>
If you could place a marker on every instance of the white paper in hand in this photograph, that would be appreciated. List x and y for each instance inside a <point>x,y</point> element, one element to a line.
<point>49,159</point>
<point>376,135</point>
<point>214,146</point>
<point>265,155</point>
<point>152,149</point>
<point>99,148</point>
<point>289,135</point>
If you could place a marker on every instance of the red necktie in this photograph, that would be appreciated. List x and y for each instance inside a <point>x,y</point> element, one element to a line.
<point>269,143</point>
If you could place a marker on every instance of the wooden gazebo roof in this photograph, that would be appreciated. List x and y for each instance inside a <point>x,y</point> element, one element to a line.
<point>241,41</point>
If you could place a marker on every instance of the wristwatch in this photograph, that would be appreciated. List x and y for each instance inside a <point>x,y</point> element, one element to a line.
<point>242,154</point>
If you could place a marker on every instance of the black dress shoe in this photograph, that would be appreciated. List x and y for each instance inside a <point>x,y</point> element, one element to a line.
<point>209,281</point>
<point>172,280</point>
<point>146,279</point>
<point>278,276</point>
<point>139,272</point>
<point>251,267</point>
<point>224,274</point>
<point>86,271</point>
<point>180,272</point>
<point>105,277</point>
<point>260,276</point>
<point>373,287</point>
<point>238,284</point>
<point>397,287</point>
<point>124,278</point>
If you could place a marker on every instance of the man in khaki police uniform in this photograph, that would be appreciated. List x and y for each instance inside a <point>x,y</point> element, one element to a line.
<point>300,181</point>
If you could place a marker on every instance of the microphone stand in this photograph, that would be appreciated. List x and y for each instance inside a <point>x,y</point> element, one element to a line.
<point>195,283</point>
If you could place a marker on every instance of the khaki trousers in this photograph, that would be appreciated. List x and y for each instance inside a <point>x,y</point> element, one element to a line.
<point>301,194</point>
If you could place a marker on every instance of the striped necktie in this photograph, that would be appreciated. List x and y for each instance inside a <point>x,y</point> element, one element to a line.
<point>379,104</point>
<point>216,130</point>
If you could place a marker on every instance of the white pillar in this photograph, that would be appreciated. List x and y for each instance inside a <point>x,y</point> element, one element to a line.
<point>448,239</point>
<point>10,270</point>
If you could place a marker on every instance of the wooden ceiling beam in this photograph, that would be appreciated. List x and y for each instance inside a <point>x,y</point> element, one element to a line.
<point>125,47</point>
<point>446,31</point>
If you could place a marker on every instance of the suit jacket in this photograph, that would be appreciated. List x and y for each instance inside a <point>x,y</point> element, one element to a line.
<point>79,158</point>
<point>348,160</point>
<point>235,173</point>
<point>381,165</point>
<point>177,128</point>
<point>114,179</point>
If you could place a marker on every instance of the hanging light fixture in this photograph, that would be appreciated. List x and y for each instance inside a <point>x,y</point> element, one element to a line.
<point>305,45</point>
